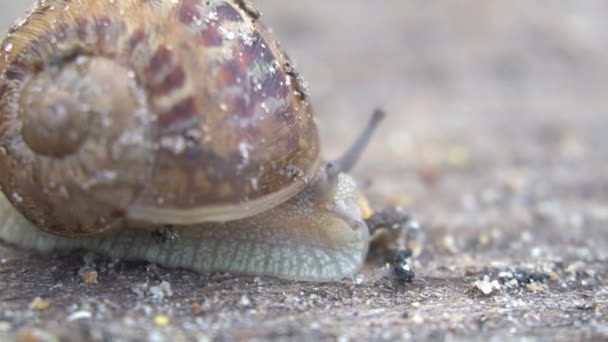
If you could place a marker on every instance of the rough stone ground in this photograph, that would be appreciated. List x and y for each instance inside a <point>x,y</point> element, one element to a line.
<point>496,144</point>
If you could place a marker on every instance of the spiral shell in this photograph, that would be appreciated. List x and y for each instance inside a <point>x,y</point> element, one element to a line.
<point>162,111</point>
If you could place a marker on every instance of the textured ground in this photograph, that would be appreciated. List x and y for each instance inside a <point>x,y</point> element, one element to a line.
<point>495,144</point>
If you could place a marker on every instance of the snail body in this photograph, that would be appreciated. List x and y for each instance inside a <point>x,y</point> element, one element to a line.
<point>122,119</point>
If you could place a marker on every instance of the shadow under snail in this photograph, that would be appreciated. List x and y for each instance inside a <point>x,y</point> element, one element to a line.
<point>170,131</point>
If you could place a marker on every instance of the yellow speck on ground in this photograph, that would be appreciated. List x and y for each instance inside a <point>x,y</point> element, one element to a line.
<point>457,156</point>
<point>161,320</point>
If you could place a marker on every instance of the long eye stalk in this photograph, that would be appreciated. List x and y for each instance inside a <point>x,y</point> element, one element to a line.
<point>350,158</point>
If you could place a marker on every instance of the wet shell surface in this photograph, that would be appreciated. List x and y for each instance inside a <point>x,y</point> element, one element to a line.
<point>163,111</point>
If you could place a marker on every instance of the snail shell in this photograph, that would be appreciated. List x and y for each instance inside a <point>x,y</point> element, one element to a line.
<point>206,88</point>
<point>120,117</point>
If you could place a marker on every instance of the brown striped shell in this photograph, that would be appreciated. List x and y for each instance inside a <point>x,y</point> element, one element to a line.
<point>156,111</point>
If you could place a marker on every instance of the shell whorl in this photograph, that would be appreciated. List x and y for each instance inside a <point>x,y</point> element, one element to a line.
<point>163,111</point>
<point>71,159</point>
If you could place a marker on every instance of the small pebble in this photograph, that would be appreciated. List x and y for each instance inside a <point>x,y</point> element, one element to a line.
<point>449,243</point>
<point>161,291</point>
<point>79,315</point>
<point>244,301</point>
<point>486,286</point>
<point>89,277</point>
<point>196,308</point>
<point>39,304</point>
<point>535,287</point>
<point>430,175</point>
<point>417,319</point>
<point>5,326</point>
<point>140,290</point>
<point>35,335</point>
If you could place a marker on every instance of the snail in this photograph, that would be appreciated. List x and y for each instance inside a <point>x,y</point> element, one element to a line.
<point>172,131</point>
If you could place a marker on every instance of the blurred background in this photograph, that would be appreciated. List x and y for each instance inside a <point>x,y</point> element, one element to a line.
<point>496,141</point>
<point>497,112</point>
